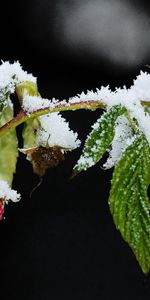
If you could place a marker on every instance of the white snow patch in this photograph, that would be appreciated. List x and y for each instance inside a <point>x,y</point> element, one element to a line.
<point>85,162</point>
<point>123,138</point>
<point>141,86</point>
<point>11,74</point>
<point>140,90</point>
<point>6,193</point>
<point>32,103</point>
<point>56,132</point>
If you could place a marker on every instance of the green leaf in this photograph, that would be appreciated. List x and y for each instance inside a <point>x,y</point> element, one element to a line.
<point>30,126</point>
<point>129,203</point>
<point>99,139</point>
<point>29,133</point>
<point>26,88</point>
<point>8,148</point>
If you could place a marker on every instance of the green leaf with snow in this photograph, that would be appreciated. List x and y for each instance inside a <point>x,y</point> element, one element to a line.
<point>8,148</point>
<point>26,88</point>
<point>129,203</point>
<point>30,126</point>
<point>99,139</point>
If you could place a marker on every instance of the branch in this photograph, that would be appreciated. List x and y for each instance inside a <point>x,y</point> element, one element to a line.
<point>23,116</point>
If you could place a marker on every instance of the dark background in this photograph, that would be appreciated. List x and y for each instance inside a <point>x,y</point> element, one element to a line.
<point>62,243</point>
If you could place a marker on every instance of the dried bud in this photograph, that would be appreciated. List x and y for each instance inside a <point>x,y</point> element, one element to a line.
<point>43,158</point>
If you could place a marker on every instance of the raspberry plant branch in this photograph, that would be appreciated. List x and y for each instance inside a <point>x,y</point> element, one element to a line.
<point>123,130</point>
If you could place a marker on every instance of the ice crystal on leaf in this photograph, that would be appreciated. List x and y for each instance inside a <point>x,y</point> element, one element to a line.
<point>10,76</point>
<point>99,139</point>
<point>128,199</point>
<point>13,74</point>
<point>123,138</point>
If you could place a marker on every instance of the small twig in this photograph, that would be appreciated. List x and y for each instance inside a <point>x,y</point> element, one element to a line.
<point>34,189</point>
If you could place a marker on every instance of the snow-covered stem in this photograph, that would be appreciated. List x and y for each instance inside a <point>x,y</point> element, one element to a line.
<point>90,105</point>
<point>23,116</point>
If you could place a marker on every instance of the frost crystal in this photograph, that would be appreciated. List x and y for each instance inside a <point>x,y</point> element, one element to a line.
<point>56,132</point>
<point>13,73</point>
<point>32,103</point>
<point>6,193</point>
<point>140,90</point>
<point>122,139</point>
<point>142,86</point>
<point>86,161</point>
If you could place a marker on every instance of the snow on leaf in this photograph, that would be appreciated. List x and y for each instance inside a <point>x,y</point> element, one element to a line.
<point>10,76</point>
<point>122,139</point>
<point>31,126</point>
<point>99,139</point>
<point>129,203</point>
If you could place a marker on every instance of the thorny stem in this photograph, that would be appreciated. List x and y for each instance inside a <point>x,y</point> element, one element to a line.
<point>22,116</point>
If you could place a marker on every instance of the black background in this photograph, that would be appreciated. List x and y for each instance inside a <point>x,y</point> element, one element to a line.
<point>62,243</point>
